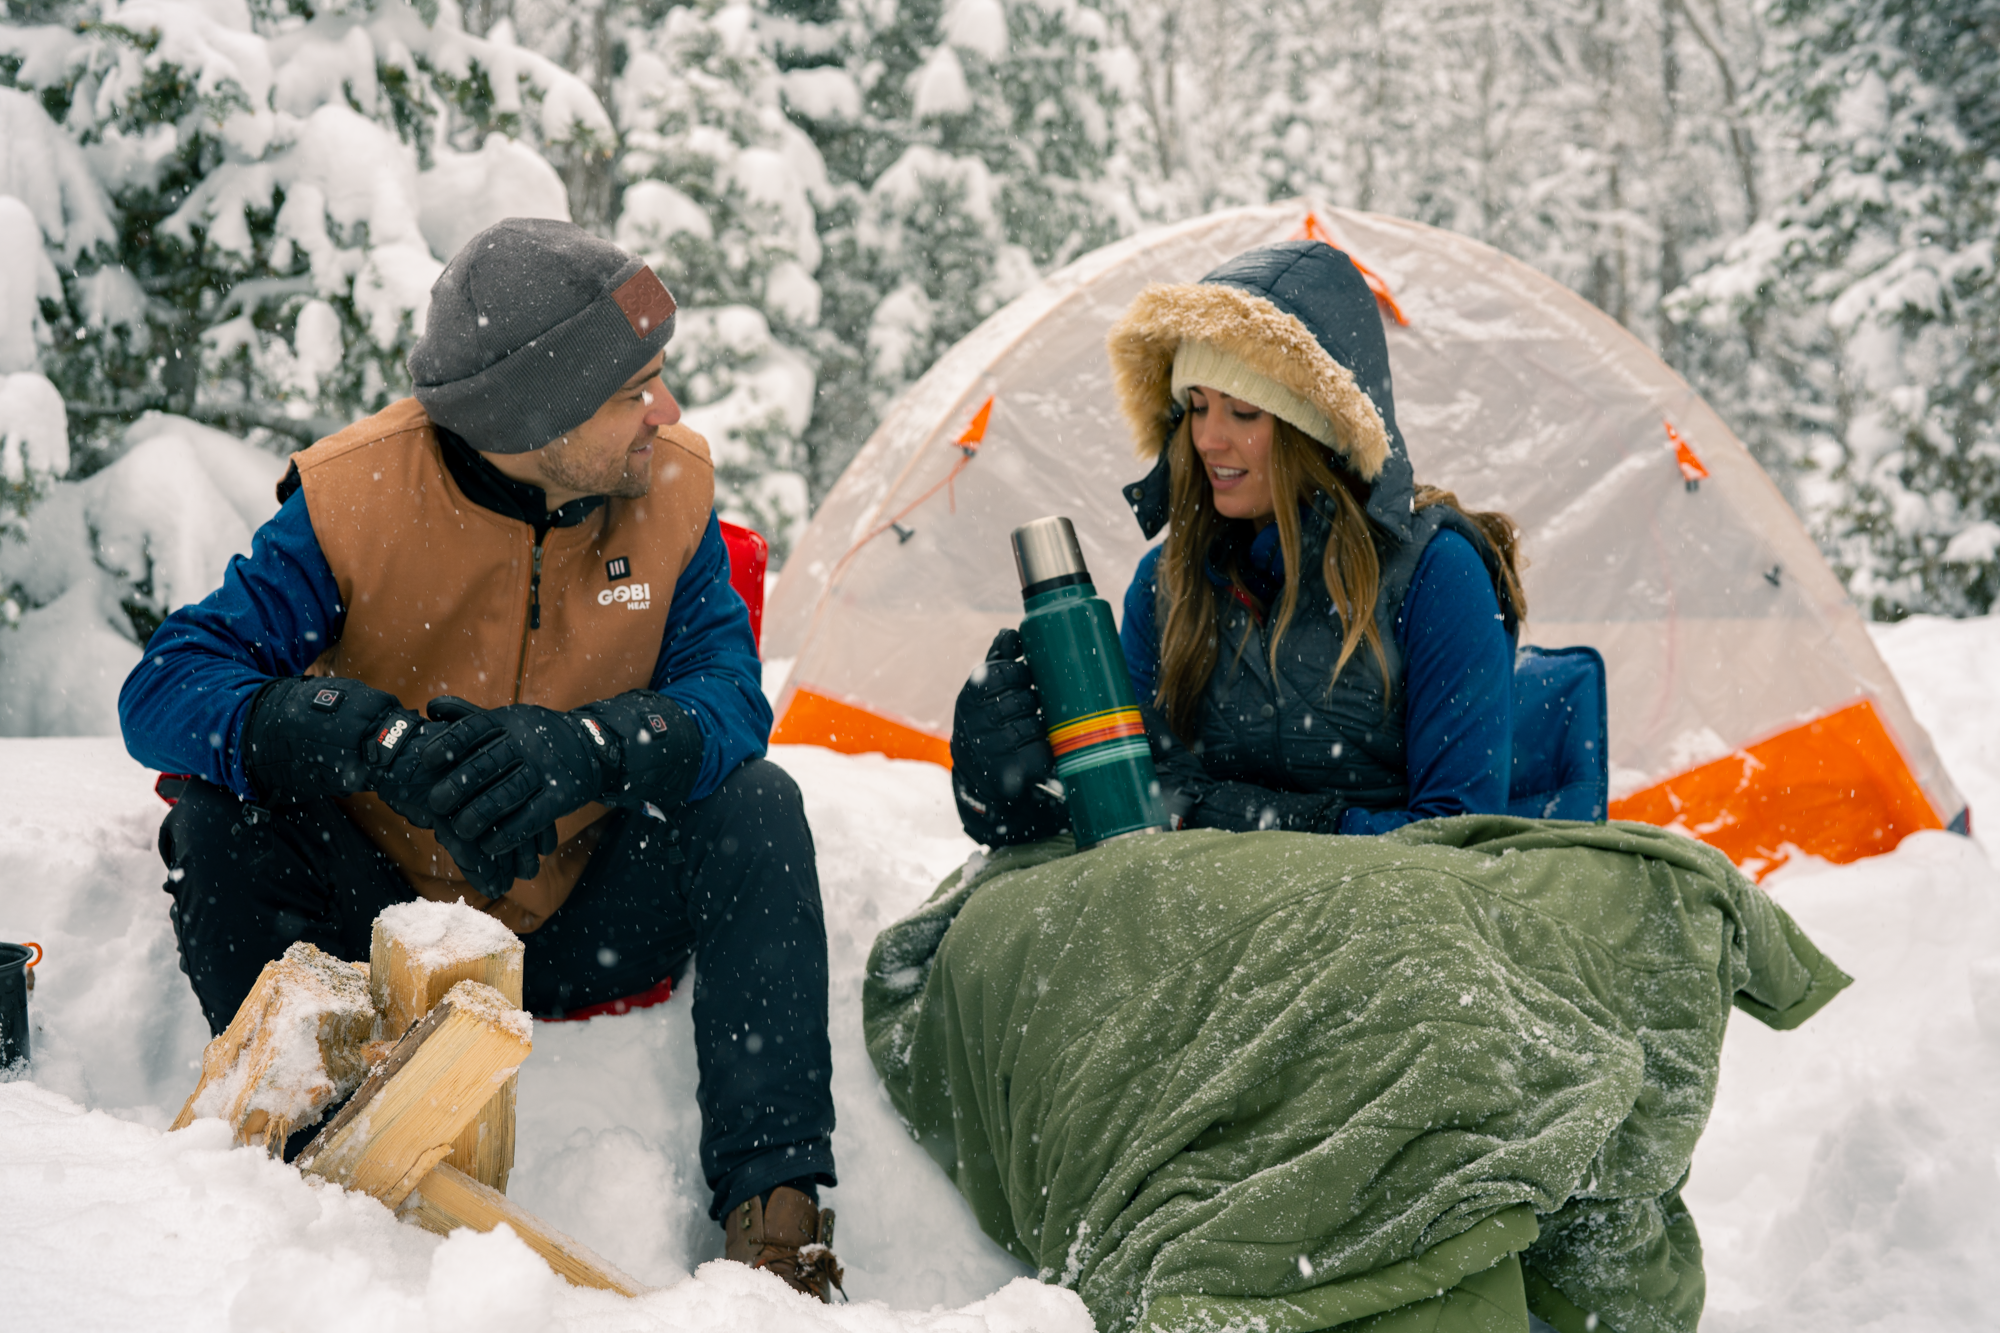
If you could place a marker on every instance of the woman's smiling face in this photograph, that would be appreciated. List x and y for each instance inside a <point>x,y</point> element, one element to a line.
<point>1233,440</point>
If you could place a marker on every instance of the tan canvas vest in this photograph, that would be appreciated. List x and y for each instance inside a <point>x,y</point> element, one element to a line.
<point>436,590</point>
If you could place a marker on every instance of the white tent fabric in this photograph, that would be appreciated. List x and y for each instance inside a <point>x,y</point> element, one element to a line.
<point>1721,626</point>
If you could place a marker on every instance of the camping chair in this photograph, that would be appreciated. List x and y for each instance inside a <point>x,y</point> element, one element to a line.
<point>749,555</point>
<point>1562,764</point>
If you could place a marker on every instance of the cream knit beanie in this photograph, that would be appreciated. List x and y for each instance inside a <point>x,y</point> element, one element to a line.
<point>1200,364</point>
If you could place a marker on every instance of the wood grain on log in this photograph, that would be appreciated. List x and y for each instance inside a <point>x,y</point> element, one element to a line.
<point>407,980</point>
<point>417,1102</point>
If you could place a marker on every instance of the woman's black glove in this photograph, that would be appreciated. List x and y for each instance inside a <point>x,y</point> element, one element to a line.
<point>511,772</point>
<point>330,736</point>
<point>1196,800</point>
<point>1001,765</point>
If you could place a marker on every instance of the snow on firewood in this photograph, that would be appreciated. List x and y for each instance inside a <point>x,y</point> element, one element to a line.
<point>295,1048</point>
<point>441,935</point>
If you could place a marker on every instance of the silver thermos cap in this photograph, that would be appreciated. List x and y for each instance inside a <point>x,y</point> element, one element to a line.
<point>1046,549</point>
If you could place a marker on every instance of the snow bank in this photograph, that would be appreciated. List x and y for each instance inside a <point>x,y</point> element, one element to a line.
<point>1847,1179</point>
<point>181,1230</point>
<point>108,1218</point>
<point>1950,669</point>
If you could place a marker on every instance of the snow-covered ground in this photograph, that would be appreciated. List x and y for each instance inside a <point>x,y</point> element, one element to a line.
<point>1847,1181</point>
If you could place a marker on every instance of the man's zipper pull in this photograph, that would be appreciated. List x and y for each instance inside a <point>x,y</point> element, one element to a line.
<point>535,592</point>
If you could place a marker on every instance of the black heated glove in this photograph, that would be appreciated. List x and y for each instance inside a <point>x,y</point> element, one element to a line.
<point>1002,769</point>
<point>655,749</point>
<point>511,772</point>
<point>326,735</point>
<point>1196,800</point>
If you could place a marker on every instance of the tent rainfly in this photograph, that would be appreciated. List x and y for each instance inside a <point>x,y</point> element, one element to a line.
<point>1748,706</point>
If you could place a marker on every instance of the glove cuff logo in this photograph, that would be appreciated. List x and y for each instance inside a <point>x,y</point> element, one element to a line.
<point>392,735</point>
<point>596,733</point>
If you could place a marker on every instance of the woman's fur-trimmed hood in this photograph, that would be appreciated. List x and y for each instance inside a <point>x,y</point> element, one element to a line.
<point>1298,313</point>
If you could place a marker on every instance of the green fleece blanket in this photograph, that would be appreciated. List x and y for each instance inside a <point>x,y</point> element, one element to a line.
<point>1283,1081</point>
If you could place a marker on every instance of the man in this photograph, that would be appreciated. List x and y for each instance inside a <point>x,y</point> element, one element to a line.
<point>528,551</point>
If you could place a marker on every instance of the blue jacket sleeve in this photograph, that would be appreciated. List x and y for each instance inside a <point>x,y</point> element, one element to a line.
<point>183,707</point>
<point>1139,633</point>
<point>708,665</point>
<point>1458,680</point>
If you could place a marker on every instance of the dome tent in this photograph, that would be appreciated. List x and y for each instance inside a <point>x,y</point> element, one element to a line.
<point>1748,706</point>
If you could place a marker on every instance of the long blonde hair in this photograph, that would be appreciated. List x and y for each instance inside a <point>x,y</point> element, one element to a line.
<point>1300,468</point>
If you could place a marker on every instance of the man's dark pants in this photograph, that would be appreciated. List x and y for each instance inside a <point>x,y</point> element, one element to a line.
<point>731,881</point>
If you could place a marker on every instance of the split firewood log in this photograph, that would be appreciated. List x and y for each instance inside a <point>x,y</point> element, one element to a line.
<point>300,1041</point>
<point>420,950</point>
<point>408,1115</point>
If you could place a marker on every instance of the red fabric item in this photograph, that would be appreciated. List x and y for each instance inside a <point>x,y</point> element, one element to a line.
<point>1249,603</point>
<point>749,554</point>
<point>658,993</point>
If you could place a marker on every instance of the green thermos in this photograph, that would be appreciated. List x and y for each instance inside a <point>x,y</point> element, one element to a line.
<point>1094,726</point>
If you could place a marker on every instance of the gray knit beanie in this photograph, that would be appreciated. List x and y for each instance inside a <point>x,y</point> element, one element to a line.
<point>532,327</point>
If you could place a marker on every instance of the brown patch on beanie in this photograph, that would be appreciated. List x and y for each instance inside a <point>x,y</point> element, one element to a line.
<point>645,300</point>
<point>1274,344</point>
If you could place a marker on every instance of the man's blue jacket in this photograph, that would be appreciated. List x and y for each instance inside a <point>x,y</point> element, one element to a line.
<point>183,707</point>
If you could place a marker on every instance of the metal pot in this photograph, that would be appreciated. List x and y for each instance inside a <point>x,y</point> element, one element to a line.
<point>17,978</point>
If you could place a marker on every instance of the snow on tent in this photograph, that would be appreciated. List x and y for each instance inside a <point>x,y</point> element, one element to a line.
<point>1748,706</point>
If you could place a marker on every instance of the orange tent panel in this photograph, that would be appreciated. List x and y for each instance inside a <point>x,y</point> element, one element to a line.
<point>1836,788</point>
<point>811,718</point>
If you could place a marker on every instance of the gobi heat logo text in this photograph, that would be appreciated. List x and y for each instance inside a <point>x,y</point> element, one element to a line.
<point>636,596</point>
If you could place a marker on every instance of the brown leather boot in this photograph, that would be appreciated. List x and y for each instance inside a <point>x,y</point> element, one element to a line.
<point>791,1236</point>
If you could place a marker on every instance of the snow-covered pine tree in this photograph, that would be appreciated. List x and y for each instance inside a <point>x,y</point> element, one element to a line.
<point>283,182</point>
<point>1870,299</point>
<point>718,192</point>
<point>967,143</point>
<point>227,214</point>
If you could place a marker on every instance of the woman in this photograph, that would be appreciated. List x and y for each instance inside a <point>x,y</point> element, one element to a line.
<point>1420,1083</point>
<point>1264,392</point>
